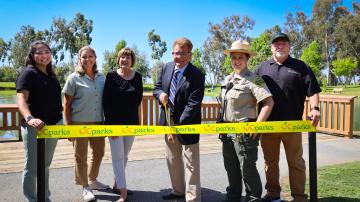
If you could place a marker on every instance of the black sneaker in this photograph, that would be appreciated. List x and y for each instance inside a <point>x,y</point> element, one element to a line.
<point>268,198</point>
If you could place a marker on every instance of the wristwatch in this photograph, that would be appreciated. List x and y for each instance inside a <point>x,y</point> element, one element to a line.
<point>315,108</point>
<point>28,118</point>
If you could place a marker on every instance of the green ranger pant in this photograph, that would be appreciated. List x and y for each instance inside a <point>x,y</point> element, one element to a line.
<point>240,154</point>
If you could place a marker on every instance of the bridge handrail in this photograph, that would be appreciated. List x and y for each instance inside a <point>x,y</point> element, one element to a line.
<point>337,114</point>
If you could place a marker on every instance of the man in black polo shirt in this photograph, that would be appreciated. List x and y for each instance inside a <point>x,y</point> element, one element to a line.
<point>290,81</point>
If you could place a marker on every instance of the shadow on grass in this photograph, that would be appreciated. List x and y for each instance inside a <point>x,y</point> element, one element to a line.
<point>338,199</point>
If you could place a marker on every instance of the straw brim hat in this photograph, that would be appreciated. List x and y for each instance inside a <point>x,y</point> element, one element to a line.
<point>240,47</point>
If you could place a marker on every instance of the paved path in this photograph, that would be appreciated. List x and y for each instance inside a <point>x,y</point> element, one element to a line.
<point>147,173</point>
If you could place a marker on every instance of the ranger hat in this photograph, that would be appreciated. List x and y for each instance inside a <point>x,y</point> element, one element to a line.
<point>279,36</point>
<point>240,47</point>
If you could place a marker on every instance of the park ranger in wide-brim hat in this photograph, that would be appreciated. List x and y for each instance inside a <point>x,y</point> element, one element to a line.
<point>240,46</point>
<point>241,92</point>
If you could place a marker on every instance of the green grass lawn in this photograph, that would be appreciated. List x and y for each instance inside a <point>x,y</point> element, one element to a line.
<point>347,90</point>
<point>7,85</point>
<point>337,183</point>
<point>7,92</point>
<point>148,88</point>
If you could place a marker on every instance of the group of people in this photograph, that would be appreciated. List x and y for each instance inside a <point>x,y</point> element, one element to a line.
<point>275,91</point>
<point>89,99</point>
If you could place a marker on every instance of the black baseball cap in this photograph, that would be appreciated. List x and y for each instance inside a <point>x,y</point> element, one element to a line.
<point>280,35</point>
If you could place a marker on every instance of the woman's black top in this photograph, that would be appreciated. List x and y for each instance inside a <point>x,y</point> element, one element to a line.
<point>121,99</point>
<point>44,94</point>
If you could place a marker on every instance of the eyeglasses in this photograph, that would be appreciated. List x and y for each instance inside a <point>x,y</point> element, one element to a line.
<point>180,53</point>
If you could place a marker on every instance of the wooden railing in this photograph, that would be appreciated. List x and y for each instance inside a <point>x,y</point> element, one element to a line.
<point>149,110</point>
<point>337,114</point>
<point>10,116</point>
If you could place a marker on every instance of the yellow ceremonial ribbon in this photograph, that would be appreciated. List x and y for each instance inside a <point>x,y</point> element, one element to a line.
<point>76,131</point>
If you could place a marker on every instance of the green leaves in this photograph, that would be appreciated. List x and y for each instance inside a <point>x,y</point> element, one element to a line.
<point>312,57</point>
<point>345,66</point>
<point>110,57</point>
<point>62,36</point>
<point>197,60</point>
<point>261,47</point>
<point>221,36</point>
<point>158,47</point>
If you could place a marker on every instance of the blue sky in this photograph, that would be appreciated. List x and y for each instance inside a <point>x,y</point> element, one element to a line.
<point>131,20</point>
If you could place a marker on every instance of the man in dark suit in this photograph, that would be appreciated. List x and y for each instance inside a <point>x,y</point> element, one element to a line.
<point>180,86</point>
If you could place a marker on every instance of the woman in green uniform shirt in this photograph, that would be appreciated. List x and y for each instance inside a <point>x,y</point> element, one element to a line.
<point>240,95</point>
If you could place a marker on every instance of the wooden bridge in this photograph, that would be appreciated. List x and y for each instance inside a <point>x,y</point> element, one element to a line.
<point>339,109</point>
<point>337,114</point>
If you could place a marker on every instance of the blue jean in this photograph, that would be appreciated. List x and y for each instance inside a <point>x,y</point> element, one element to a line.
<point>30,170</point>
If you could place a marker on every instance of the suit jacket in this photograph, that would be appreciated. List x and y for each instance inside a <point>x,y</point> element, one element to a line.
<point>188,98</point>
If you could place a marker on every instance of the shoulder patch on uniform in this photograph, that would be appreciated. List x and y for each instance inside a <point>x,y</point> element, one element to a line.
<point>257,80</point>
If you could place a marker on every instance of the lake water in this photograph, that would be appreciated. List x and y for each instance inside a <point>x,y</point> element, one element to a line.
<point>7,99</point>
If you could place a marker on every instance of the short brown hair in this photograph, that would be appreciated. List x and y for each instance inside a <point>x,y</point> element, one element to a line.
<point>183,42</point>
<point>128,52</point>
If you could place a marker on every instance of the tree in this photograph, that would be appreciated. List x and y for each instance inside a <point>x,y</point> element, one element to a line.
<point>221,36</point>
<point>197,60</point>
<point>156,68</point>
<point>19,45</point>
<point>347,36</point>
<point>110,60</point>
<point>62,38</point>
<point>110,57</point>
<point>294,29</point>
<point>213,59</point>
<point>70,37</point>
<point>3,50</point>
<point>260,45</point>
<point>158,48</point>
<point>312,57</point>
<point>344,67</point>
<point>226,67</point>
<point>63,70</point>
<point>7,74</point>
<point>326,15</point>
<point>141,65</point>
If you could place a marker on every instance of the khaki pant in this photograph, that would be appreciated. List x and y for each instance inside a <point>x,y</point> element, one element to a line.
<point>183,162</point>
<point>297,171</point>
<point>83,173</point>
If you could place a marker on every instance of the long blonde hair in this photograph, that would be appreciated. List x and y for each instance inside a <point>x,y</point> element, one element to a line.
<point>79,69</point>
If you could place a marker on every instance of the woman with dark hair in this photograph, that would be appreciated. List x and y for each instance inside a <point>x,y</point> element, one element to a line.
<point>241,95</point>
<point>83,106</point>
<point>39,101</point>
<point>122,96</point>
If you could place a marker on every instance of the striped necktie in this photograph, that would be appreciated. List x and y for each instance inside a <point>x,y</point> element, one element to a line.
<point>174,82</point>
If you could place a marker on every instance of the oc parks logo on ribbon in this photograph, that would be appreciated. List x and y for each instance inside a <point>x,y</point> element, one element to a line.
<point>74,131</point>
<point>100,131</point>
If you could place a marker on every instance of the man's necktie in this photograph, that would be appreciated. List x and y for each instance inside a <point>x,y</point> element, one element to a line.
<point>173,91</point>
